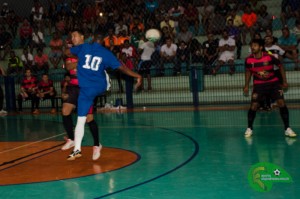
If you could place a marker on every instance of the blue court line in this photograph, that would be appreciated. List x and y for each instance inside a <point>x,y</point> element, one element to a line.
<point>166,173</point>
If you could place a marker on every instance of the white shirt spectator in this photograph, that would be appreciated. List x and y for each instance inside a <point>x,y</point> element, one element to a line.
<point>128,51</point>
<point>36,36</point>
<point>37,13</point>
<point>276,51</point>
<point>226,55</point>
<point>170,51</point>
<point>119,29</point>
<point>27,59</point>
<point>148,49</point>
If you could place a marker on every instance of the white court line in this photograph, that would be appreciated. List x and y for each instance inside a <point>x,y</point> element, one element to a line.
<point>30,143</point>
<point>149,127</point>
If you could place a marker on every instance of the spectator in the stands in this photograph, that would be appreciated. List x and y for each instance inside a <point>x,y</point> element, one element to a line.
<point>130,52</point>
<point>120,26</point>
<point>296,30</point>
<point>249,19</point>
<point>41,61</point>
<point>38,40</point>
<point>146,50</point>
<point>195,29</point>
<point>196,51</point>
<point>50,16</point>
<point>111,41</point>
<point>151,5</point>
<point>226,48</point>
<point>182,56</point>
<point>135,37</point>
<point>25,33</point>
<point>167,22</point>
<point>122,38</point>
<point>168,55</point>
<point>4,12</point>
<point>207,14</point>
<point>89,14</point>
<point>191,14</point>
<point>28,91</point>
<point>103,25</point>
<point>269,33</point>
<point>5,42</point>
<point>235,33</point>
<point>184,35</point>
<point>176,12</point>
<point>264,19</point>
<point>289,9</point>
<point>56,45</point>
<point>87,31</point>
<point>288,42</point>
<point>37,12</point>
<point>210,52</point>
<point>14,64</point>
<point>137,23</point>
<point>237,19</point>
<point>60,25</point>
<point>222,11</point>
<point>27,59</point>
<point>46,90</point>
<point>13,21</point>
<point>166,33</point>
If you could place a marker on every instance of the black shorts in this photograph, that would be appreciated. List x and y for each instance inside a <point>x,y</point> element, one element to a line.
<point>73,93</point>
<point>271,90</point>
<point>145,67</point>
<point>279,76</point>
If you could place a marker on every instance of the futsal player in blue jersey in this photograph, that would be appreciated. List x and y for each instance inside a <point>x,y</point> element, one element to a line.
<point>93,60</point>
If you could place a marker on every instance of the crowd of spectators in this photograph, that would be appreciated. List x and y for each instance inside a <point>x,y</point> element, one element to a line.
<point>123,23</point>
<point>179,21</point>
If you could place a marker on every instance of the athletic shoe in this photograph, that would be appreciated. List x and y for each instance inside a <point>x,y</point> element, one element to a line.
<point>69,144</point>
<point>248,132</point>
<point>290,133</point>
<point>3,112</point>
<point>36,111</point>
<point>97,152</point>
<point>74,155</point>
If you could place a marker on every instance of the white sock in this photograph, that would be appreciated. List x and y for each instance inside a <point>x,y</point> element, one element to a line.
<point>79,132</point>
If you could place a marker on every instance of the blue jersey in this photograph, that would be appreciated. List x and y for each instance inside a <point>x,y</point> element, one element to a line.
<point>93,59</point>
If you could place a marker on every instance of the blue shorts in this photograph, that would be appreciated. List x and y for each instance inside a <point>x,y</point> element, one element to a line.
<point>86,99</point>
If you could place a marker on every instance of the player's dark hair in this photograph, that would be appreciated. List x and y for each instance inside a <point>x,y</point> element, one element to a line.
<point>79,31</point>
<point>260,42</point>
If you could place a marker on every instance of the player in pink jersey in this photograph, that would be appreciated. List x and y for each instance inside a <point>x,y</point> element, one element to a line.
<point>260,65</point>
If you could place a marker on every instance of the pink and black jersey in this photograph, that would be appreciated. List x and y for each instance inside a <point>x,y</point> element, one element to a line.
<point>45,86</point>
<point>262,68</point>
<point>28,83</point>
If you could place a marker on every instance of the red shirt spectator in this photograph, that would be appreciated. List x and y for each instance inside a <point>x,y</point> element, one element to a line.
<point>25,29</point>
<point>89,13</point>
<point>40,60</point>
<point>249,18</point>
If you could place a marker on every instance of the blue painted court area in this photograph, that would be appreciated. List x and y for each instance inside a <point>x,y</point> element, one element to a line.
<point>182,154</point>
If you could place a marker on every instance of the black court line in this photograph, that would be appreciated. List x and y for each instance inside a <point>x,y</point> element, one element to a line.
<point>196,151</point>
<point>26,156</point>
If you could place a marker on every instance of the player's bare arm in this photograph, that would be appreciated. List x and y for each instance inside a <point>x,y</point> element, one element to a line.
<point>247,82</point>
<point>132,74</point>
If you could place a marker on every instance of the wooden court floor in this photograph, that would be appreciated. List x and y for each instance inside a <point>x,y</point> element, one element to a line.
<point>161,154</point>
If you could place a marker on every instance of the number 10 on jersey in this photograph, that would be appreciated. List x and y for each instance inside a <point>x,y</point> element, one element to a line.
<point>92,63</point>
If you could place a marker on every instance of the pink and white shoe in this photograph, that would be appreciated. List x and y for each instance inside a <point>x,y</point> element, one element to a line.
<point>69,144</point>
<point>97,152</point>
